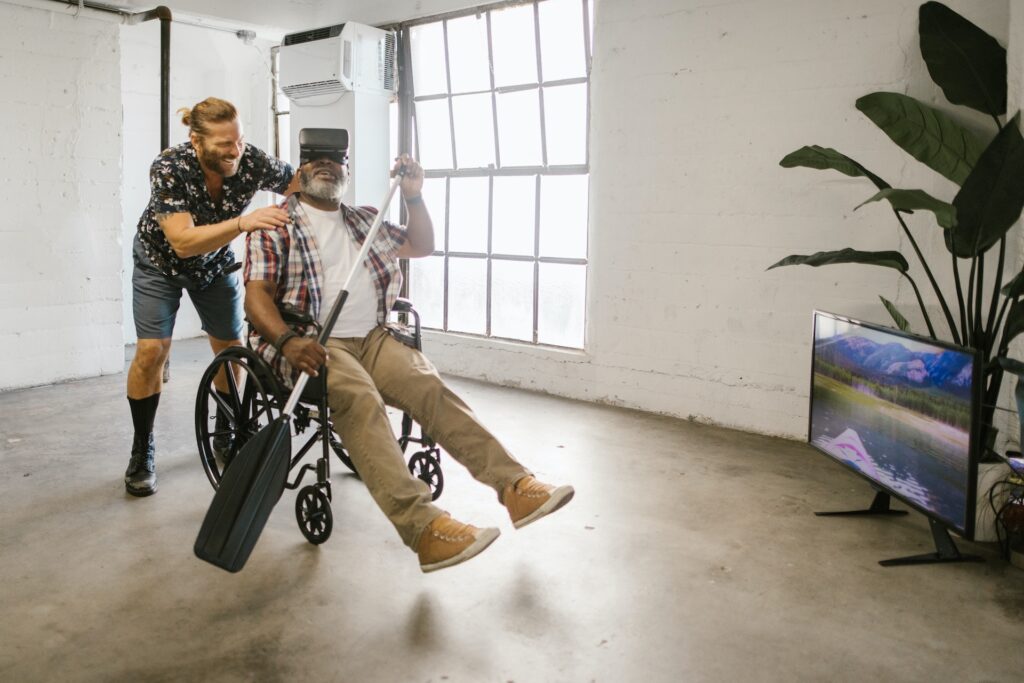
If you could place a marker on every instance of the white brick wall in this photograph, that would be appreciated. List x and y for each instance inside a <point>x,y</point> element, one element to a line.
<point>60,292</point>
<point>204,63</point>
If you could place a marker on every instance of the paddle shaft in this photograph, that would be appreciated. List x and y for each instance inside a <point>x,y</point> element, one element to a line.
<point>325,333</point>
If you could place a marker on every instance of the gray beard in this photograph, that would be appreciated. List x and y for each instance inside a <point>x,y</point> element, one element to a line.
<point>324,190</point>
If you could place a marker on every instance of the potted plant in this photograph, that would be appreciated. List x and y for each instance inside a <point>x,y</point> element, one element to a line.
<point>969,66</point>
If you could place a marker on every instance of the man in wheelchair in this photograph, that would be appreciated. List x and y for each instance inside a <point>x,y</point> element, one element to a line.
<point>304,268</point>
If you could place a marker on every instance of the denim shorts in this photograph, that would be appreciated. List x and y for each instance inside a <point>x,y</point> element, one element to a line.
<point>156,297</point>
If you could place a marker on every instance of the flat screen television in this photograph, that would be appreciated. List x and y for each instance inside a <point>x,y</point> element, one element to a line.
<point>901,411</point>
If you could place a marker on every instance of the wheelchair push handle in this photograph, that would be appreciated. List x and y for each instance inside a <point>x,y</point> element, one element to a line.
<point>339,303</point>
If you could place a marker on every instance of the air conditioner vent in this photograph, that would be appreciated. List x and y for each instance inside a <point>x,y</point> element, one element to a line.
<point>298,92</point>
<point>313,34</point>
<point>388,67</point>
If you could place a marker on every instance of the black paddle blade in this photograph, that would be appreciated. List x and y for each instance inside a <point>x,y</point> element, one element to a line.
<point>250,488</point>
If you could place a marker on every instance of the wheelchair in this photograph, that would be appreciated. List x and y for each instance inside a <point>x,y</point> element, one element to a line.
<point>256,397</point>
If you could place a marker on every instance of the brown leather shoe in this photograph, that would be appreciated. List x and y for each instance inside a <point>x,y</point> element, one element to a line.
<point>446,542</point>
<point>528,500</point>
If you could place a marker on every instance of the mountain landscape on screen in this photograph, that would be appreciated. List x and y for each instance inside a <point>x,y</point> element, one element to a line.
<point>894,364</point>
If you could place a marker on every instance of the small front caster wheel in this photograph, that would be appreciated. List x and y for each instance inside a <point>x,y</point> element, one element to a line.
<point>426,466</point>
<point>313,513</point>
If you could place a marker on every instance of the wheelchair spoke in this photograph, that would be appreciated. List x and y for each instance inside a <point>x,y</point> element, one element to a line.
<point>229,411</point>
<point>262,409</point>
<point>248,398</point>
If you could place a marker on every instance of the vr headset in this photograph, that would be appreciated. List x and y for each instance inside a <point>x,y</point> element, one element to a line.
<point>323,143</point>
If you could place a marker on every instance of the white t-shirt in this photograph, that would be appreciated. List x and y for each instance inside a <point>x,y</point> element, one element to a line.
<point>338,251</point>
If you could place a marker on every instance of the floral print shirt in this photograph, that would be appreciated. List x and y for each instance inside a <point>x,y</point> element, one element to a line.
<point>177,185</point>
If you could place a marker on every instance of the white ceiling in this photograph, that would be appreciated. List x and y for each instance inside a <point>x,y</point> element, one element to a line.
<point>297,15</point>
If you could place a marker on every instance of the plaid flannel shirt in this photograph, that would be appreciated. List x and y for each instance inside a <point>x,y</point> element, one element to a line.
<point>299,276</point>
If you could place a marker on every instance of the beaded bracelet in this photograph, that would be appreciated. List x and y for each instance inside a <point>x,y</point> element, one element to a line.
<point>283,339</point>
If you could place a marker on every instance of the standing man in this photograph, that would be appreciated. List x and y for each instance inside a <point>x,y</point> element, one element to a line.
<point>199,190</point>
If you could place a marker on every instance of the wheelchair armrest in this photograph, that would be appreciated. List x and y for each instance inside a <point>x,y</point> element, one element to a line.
<point>406,332</point>
<point>291,315</point>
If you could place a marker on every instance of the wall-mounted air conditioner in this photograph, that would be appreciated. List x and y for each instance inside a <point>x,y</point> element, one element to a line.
<point>326,62</point>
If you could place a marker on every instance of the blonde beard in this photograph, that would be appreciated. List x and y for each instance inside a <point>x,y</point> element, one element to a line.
<point>211,160</point>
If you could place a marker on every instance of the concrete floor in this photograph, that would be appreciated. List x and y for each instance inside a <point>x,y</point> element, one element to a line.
<point>689,553</point>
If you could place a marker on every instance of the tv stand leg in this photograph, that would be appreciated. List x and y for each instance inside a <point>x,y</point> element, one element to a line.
<point>945,551</point>
<point>879,506</point>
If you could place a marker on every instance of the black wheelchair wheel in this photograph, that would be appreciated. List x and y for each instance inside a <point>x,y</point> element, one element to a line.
<point>225,424</point>
<point>339,450</point>
<point>426,466</point>
<point>313,513</point>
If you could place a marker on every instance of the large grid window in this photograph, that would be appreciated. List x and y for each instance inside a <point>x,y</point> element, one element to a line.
<point>497,104</point>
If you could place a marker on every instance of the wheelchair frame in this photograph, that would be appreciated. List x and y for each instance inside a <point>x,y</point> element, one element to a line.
<point>255,397</point>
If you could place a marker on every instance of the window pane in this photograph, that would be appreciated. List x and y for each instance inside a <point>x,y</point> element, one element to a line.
<point>394,213</point>
<point>519,128</point>
<point>514,44</point>
<point>467,224</point>
<point>491,214</point>
<point>467,294</point>
<point>434,134</point>
<point>563,216</point>
<point>427,46</point>
<point>512,300</point>
<point>467,54</point>
<point>565,124</point>
<point>434,200</point>
<point>590,16</point>
<point>561,297</point>
<point>474,131</point>
<point>426,289</point>
<point>561,39</point>
<point>513,215</point>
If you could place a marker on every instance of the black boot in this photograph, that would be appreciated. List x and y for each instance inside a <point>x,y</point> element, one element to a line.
<point>140,477</point>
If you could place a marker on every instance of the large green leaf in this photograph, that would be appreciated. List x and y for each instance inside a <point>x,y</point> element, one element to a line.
<point>1015,367</point>
<point>897,317</point>
<point>909,200</point>
<point>886,259</point>
<point>1014,321</point>
<point>967,63</point>
<point>1014,287</point>
<point>1012,366</point>
<point>823,158</point>
<point>927,134</point>
<point>992,197</point>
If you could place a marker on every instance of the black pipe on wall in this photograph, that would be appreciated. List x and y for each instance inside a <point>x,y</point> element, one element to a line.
<point>164,15</point>
<point>165,76</point>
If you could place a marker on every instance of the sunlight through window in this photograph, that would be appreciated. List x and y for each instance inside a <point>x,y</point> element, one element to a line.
<point>499,118</point>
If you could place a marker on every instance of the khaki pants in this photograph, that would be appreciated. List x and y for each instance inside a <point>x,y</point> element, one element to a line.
<point>364,375</point>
